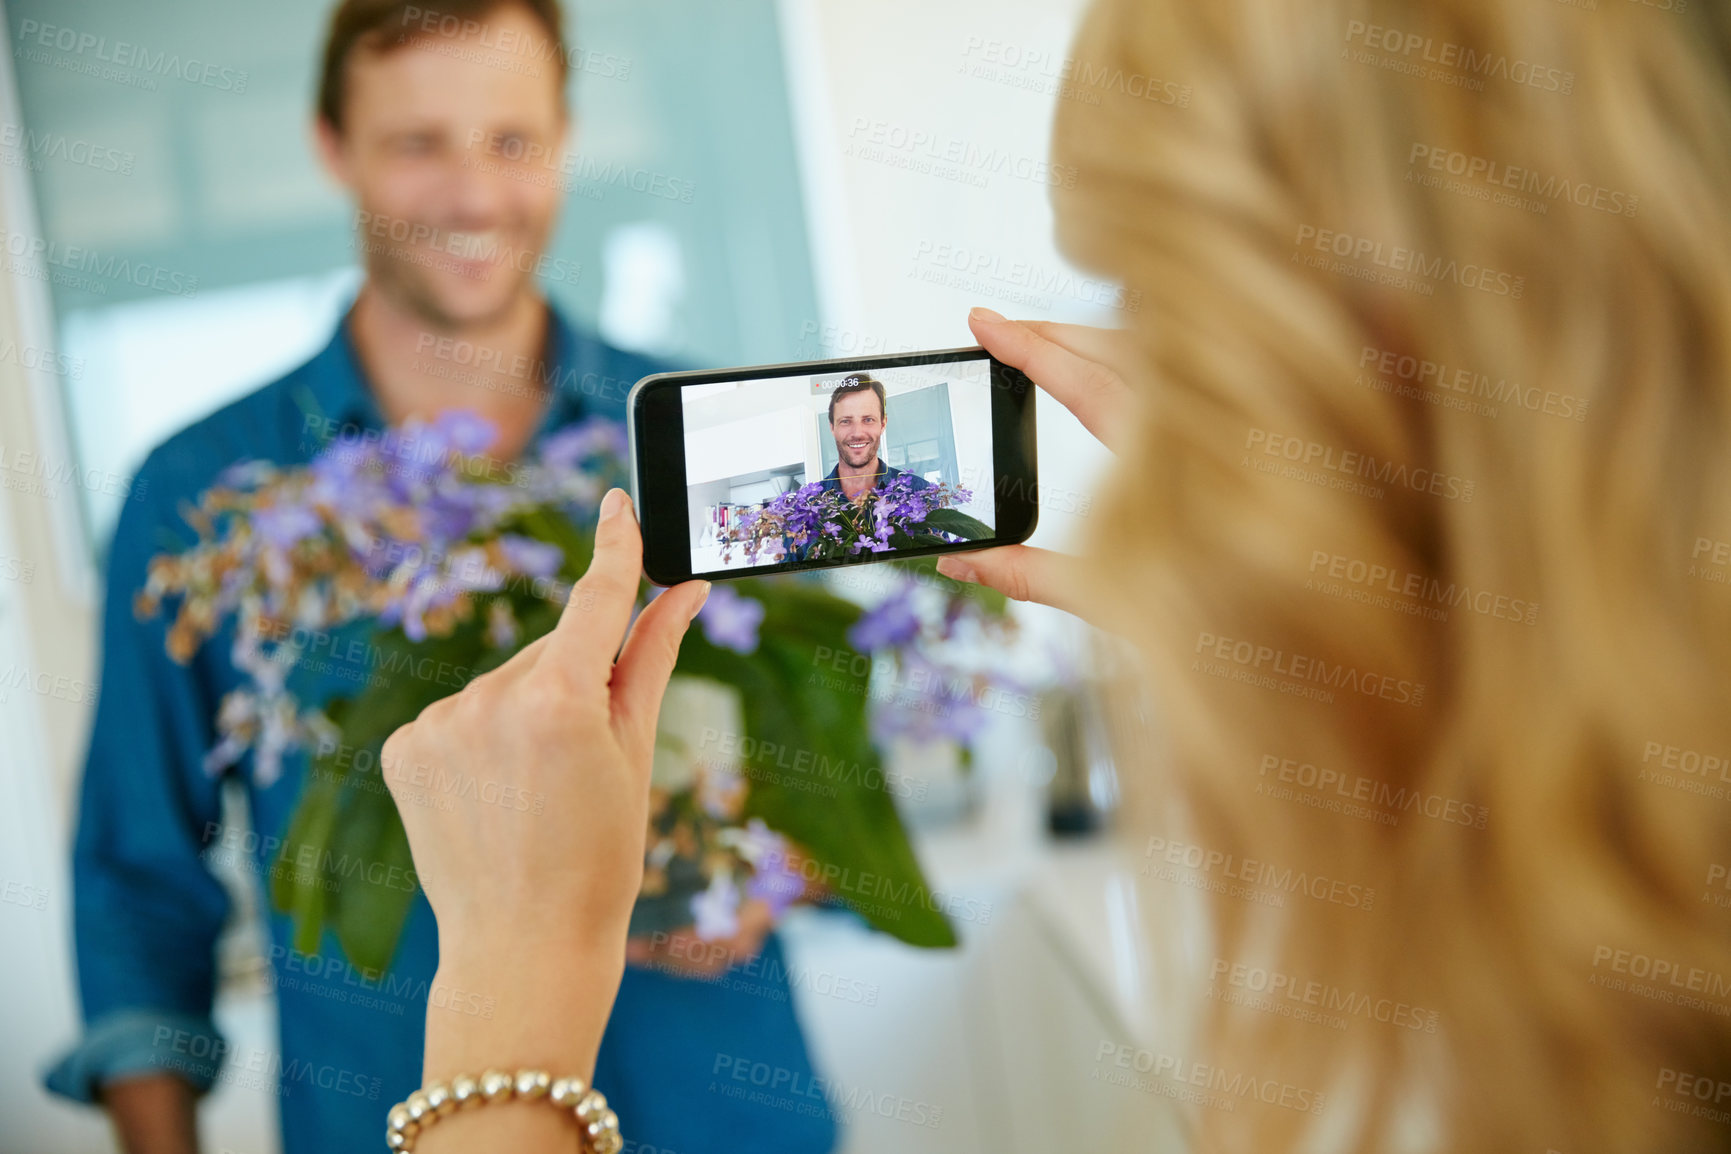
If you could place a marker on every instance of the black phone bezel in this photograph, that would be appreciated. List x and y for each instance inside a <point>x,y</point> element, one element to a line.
<point>655,422</point>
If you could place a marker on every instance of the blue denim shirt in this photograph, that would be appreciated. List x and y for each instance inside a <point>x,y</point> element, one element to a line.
<point>148,910</point>
<point>890,473</point>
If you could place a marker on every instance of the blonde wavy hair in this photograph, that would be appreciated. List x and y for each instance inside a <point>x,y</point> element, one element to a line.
<point>1429,512</point>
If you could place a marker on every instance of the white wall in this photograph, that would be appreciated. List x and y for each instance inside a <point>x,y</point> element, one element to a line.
<point>968,78</point>
<point>971,408</point>
<point>765,441</point>
<point>45,630</point>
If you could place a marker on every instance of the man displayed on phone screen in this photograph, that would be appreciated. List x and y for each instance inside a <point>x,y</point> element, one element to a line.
<point>858,418</point>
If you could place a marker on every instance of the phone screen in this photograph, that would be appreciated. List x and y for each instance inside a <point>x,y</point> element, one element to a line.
<point>773,468</point>
<point>838,466</point>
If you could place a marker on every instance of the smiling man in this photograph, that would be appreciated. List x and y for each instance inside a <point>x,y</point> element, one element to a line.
<point>446,123</point>
<point>858,420</point>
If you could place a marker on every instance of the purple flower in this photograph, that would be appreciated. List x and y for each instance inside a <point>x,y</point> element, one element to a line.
<point>529,556</point>
<point>338,474</point>
<point>285,525</point>
<point>891,622</point>
<point>813,517</point>
<point>448,517</point>
<point>731,621</point>
<point>501,625</point>
<point>941,704</point>
<point>395,526</point>
<point>720,789</point>
<point>716,910</point>
<point>773,881</point>
<point>246,475</point>
<point>463,431</point>
<point>427,592</point>
<point>569,447</point>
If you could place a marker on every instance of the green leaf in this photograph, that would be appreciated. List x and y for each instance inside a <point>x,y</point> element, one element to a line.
<point>370,856</point>
<point>819,781</point>
<point>297,890</point>
<point>344,857</point>
<point>957,523</point>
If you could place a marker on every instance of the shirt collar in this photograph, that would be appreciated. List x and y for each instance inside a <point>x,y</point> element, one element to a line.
<point>572,359</point>
<point>834,479</point>
<point>336,382</point>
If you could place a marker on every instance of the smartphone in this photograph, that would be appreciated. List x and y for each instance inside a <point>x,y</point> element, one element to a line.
<point>777,468</point>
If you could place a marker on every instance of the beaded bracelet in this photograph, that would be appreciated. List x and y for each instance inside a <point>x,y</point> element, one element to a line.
<point>599,1125</point>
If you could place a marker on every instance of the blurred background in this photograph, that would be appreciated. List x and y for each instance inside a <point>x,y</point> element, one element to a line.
<point>821,178</point>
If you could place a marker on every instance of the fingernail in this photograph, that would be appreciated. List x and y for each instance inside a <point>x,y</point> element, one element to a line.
<point>701,599</point>
<point>985,316</point>
<point>958,570</point>
<point>615,501</point>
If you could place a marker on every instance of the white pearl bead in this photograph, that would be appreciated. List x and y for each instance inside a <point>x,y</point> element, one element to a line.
<point>495,1084</point>
<point>533,1083</point>
<point>567,1092</point>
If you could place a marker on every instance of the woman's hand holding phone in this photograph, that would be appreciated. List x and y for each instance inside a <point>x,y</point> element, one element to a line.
<point>564,720</point>
<point>1071,363</point>
<point>533,906</point>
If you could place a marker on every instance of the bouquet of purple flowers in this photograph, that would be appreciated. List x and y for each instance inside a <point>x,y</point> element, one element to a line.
<point>357,589</point>
<point>817,522</point>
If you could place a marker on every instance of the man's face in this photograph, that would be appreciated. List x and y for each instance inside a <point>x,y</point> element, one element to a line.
<point>437,149</point>
<point>858,426</point>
